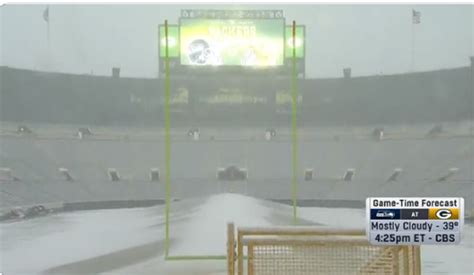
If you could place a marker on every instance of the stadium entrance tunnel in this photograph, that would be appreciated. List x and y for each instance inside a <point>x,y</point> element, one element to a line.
<point>270,133</point>
<point>6,175</point>
<point>435,131</point>
<point>154,174</point>
<point>113,174</point>
<point>65,174</point>
<point>451,172</point>
<point>396,173</point>
<point>194,133</point>
<point>308,174</point>
<point>232,173</point>
<point>22,129</point>
<point>349,174</point>
<point>378,134</point>
<point>83,132</point>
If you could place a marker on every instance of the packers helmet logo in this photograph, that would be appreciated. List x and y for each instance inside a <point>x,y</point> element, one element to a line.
<point>443,214</point>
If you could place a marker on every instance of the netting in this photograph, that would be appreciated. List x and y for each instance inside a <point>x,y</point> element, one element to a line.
<point>325,255</point>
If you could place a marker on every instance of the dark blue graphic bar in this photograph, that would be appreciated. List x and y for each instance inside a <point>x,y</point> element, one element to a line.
<point>385,214</point>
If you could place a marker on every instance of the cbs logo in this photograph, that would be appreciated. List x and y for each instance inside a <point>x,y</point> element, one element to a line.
<point>443,214</point>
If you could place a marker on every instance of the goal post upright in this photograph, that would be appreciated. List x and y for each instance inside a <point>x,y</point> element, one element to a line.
<point>164,43</point>
<point>167,142</point>
<point>294,127</point>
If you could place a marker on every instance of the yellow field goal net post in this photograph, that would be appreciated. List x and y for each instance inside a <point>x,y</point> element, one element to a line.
<point>309,250</point>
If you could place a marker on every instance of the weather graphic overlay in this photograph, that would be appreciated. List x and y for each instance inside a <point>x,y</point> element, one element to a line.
<point>414,221</point>
<point>232,42</point>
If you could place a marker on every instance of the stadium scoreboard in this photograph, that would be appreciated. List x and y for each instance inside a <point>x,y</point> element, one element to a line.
<point>414,221</point>
<point>230,41</point>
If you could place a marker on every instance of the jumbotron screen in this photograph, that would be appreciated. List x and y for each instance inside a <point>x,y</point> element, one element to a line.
<point>299,42</point>
<point>173,41</point>
<point>232,42</point>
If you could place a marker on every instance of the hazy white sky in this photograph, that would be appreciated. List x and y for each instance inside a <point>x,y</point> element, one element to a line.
<point>372,39</point>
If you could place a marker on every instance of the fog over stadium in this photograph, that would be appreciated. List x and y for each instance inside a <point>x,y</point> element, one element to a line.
<point>126,151</point>
<point>372,39</point>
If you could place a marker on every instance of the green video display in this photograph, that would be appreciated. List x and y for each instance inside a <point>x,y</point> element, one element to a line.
<point>234,42</point>
<point>173,41</point>
<point>299,42</point>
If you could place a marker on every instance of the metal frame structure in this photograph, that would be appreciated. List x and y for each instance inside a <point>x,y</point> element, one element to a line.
<point>167,173</point>
<point>406,259</point>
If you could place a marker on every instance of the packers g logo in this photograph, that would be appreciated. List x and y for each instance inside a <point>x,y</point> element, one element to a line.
<point>443,214</point>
